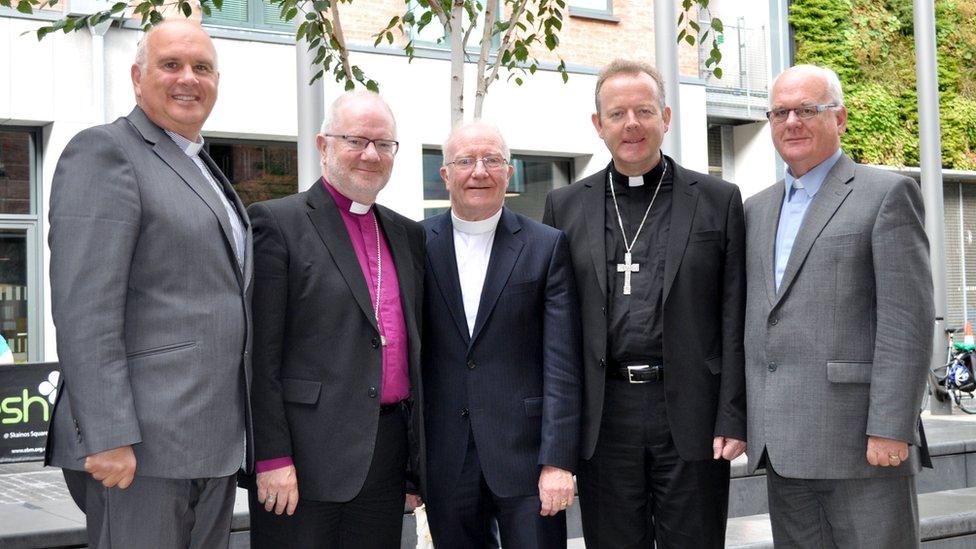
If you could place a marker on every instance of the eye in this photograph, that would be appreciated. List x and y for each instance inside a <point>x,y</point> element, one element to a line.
<point>615,115</point>
<point>170,65</point>
<point>357,142</point>
<point>203,69</point>
<point>464,162</point>
<point>779,114</point>
<point>806,112</point>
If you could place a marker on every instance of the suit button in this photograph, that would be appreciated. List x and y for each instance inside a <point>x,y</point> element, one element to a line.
<point>773,321</point>
<point>772,366</point>
<point>471,365</point>
<point>604,309</point>
<point>374,342</point>
<point>464,412</point>
<point>372,392</point>
<point>603,363</point>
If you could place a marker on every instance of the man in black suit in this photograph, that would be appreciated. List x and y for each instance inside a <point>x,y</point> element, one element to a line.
<point>501,360</point>
<point>659,260</point>
<point>338,284</point>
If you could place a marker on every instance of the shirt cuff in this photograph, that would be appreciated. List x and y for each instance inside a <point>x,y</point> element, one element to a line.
<point>266,465</point>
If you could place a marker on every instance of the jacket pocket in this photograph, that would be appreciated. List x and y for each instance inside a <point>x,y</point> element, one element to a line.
<point>533,406</point>
<point>702,236</point>
<point>300,391</point>
<point>161,349</point>
<point>849,372</point>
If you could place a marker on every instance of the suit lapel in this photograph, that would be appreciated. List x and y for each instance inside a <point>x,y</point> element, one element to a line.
<point>769,223</point>
<point>594,220</point>
<point>505,251</point>
<point>823,207</point>
<point>175,158</point>
<point>445,271</point>
<point>245,277</point>
<point>325,217</point>
<point>683,203</point>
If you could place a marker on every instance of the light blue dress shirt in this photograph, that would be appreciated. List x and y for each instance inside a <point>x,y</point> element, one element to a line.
<point>797,198</point>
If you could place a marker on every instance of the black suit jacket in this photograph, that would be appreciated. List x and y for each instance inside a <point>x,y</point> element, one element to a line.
<point>514,384</point>
<point>704,305</point>
<point>317,358</point>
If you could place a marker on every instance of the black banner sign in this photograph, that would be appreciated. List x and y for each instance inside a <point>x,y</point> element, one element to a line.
<point>27,394</point>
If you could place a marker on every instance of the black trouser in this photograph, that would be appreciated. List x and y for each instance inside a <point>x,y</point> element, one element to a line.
<point>636,490</point>
<point>371,520</point>
<point>464,516</point>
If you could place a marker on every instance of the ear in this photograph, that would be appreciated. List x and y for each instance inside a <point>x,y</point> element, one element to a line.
<point>321,143</point>
<point>666,115</point>
<point>841,114</point>
<point>443,172</point>
<point>595,118</point>
<point>136,75</point>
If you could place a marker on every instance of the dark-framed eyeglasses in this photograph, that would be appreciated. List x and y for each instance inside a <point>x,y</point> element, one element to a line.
<point>469,162</point>
<point>803,112</point>
<point>359,143</point>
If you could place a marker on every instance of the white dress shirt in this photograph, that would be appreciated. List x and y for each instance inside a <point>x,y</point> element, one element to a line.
<point>472,250</point>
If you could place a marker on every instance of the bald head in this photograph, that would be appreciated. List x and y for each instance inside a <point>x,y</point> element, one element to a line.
<point>142,48</point>
<point>476,128</point>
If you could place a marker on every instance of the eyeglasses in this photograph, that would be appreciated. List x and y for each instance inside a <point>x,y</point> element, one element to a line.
<point>359,143</point>
<point>469,162</point>
<point>803,112</point>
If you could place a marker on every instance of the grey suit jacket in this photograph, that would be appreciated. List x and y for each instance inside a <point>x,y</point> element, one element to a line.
<point>841,350</point>
<point>151,307</point>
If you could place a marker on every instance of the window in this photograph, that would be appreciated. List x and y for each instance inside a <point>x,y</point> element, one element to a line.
<point>255,14</point>
<point>433,32</point>
<point>258,170</point>
<point>20,246</point>
<point>532,180</point>
<point>595,9</point>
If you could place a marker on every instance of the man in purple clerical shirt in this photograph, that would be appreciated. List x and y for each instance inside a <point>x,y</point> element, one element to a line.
<point>336,393</point>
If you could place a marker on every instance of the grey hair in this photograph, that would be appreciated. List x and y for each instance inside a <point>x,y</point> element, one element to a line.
<point>142,48</point>
<point>332,115</point>
<point>625,66</point>
<point>449,143</point>
<point>835,94</point>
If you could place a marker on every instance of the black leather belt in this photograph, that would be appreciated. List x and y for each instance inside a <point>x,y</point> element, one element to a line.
<point>389,408</point>
<point>637,373</point>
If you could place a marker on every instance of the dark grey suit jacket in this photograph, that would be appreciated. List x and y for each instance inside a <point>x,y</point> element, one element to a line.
<point>151,308</point>
<point>840,351</point>
<point>318,363</point>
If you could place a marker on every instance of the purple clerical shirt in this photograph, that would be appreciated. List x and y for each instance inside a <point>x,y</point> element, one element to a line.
<point>362,230</point>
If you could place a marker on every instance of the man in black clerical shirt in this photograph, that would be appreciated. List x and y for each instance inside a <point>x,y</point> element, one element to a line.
<point>658,253</point>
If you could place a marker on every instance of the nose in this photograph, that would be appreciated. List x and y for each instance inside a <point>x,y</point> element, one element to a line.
<point>479,168</point>
<point>370,152</point>
<point>187,74</point>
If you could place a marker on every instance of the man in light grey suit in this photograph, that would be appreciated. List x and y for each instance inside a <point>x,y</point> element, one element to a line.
<point>838,331</point>
<point>150,272</point>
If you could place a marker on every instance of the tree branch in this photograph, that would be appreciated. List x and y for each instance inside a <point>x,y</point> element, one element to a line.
<point>487,33</point>
<point>519,7</point>
<point>340,40</point>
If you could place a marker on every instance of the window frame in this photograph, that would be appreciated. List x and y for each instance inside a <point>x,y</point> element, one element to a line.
<point>255,19</point>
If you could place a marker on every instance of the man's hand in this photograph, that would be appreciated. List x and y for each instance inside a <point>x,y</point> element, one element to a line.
<point>727,448</point>
<point>278,490</point>
<point>556,490</point>
<point>883,452</point>
<point>414,501</point>
<point>115,467</point>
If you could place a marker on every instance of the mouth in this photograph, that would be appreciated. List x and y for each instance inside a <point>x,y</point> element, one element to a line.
<point>185,98</point>
<point>634,140</point>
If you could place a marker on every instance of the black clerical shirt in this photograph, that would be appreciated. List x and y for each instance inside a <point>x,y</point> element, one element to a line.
<point>636,320</point>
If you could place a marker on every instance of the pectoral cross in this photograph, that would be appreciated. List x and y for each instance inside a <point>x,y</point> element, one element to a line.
<point>627,267</point>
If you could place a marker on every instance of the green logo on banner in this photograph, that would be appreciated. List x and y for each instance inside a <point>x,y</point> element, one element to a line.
<point>17,409</point>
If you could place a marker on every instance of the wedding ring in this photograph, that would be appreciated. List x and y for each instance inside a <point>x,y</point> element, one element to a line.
<point>272,498</point>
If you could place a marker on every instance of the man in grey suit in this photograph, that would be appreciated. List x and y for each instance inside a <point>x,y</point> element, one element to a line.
<point>838,331</point>
<point>150,271</point>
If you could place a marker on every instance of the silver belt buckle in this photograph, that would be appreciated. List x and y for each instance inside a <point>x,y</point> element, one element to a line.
<point>637,368</point>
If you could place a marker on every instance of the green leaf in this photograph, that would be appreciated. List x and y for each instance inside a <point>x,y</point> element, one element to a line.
<point>551,41</point>
<point>357,73</point>
<point>291,13</point>
<point>681,17</point>
<point>518,81</point>
<point>717,72</point>
<point>321,5</point>
<point>118,6</point>
<point>186,9</point>
<point>206,10</point>
<point>694,26</point>
<point>682,34</point>
<point>311,16</point>
<point>717,25</point>
<point>42,32</point>
<point>393,21</point>
<point>24,7</point>
<point>350,85</point>
<point>686,4</point>
<point>426,18</point>
<point>389,37</point>
<point>155,17</point>
<point>690,39</point>
<point>372,86</point>
<point>315,77</point>
<point>300,33</point>
<point>219,4</point>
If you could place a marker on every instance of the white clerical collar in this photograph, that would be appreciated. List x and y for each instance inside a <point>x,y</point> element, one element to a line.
<point>476,227</point>
<point>191,148</point>
<point>357,208</point>
<point>635,181</point>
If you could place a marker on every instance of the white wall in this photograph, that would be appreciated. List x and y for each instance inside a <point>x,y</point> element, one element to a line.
<point>755,158</point>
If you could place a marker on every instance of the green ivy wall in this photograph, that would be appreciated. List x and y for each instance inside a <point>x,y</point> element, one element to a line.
<point>870,44</point>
